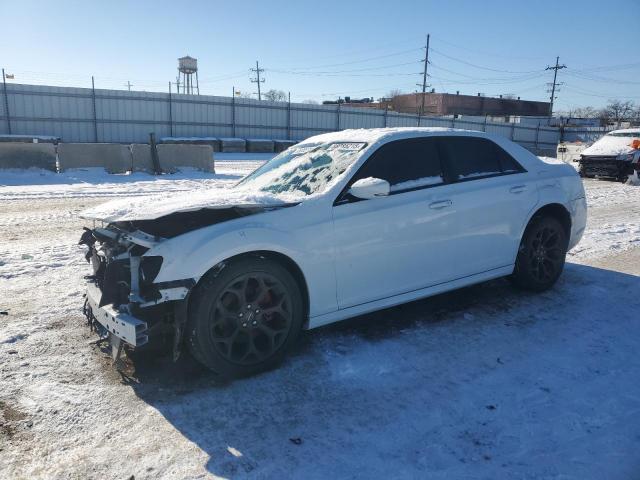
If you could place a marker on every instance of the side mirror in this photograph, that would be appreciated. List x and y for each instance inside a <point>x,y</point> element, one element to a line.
<point>370,187</point>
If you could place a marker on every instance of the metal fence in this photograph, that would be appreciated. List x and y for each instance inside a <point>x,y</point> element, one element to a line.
<point>97,115</point>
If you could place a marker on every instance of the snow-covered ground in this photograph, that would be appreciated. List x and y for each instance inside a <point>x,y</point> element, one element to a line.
<point>95,182</point>
<point>487,382</point>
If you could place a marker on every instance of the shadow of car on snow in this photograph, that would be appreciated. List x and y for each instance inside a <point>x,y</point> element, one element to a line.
<point>371,395</point>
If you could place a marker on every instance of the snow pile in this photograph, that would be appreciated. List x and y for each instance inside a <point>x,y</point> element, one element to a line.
<point>35,138</point>
<point>607,238</point>
<point>95,182</point>
<point>187,139</point>
<point>609,145</point>
<point>633,179</point>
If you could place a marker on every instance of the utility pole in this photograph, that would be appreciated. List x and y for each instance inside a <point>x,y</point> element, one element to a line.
<point>6,101</point>
<point>257,80</point>
<point>424,79</point>
<point>129,85</point>
<point>555,84</point>
<point>178,83</point>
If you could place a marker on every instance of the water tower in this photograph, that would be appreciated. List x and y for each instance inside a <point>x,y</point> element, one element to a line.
<point>188,66</point>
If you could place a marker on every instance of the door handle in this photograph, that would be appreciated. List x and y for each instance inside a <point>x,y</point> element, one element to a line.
<point>518,189</point>
<point>440,204</point>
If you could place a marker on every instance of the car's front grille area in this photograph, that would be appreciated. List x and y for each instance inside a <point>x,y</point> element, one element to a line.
<point>607,166</point>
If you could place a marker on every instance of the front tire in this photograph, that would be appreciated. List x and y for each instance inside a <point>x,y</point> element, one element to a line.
<point>244,318</point>
<point>541,255</point>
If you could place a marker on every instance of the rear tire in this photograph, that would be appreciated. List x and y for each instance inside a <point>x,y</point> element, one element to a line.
<point>244,318</point>
<point>541,254</point>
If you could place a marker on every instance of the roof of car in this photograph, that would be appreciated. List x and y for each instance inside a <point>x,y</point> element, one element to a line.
<point>626,130</point>
<point>372,135</point>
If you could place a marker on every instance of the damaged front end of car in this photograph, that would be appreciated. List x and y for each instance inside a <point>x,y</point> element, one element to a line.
<point>123,303</point>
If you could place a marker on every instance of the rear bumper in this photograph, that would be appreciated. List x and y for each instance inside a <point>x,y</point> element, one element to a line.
<point>126,327</point>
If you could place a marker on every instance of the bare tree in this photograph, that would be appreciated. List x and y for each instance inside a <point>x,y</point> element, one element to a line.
<point>275,95</point>
<point>243,95</point>
<point>585,112</point>
<point>393,93</point>
<point>310,101</point>
<point>618,110</point>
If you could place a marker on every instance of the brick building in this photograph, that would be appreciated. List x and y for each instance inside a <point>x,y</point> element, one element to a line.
<point>455,104</point>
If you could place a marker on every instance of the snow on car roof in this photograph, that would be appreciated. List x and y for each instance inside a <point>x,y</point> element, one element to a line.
<point>626,130</point>
<point>373,135</point>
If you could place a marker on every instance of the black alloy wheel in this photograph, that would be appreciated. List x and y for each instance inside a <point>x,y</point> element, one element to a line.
<point>244,317</point>
<point>251,318</point>
<point>541,255</point>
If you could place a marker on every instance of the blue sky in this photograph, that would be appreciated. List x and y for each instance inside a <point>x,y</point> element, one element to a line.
<point>321,50</point>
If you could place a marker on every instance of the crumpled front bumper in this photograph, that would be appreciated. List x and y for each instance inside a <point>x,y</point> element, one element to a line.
<point>609,167</point>
<point>109,320</point>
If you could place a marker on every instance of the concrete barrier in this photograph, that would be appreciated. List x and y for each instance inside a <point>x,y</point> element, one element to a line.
<point>174,156</point>
<point>259,145</point>
<point>27,155</point>
<point>29,138</point>
<point>282,145</point>
<point>212,141</point>
<point>113,157</point>
<point>233,145</point>
<point>141,158</point>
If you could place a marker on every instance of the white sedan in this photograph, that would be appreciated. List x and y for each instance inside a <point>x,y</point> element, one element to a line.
<point>337,226</point>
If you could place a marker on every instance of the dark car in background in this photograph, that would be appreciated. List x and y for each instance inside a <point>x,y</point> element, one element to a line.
<point>616,155</point>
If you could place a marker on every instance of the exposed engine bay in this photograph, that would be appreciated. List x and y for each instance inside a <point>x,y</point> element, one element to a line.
<point>123,302</point>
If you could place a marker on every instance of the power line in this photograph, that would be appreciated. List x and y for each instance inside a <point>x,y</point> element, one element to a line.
<point>488,80</point>
<point>329,74</point>
<point>317,72</point>
<point>623,66</point>
<point>472,50</point>
<point>597,78</point>
<point>377,57</point>
<point>479,66</point>
<point>228,76</point>
<point>328,94</point>
<point>591,93</point>
<point>372,48</point>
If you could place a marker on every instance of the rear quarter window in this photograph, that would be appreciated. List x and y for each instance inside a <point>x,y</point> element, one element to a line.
<point>474,157</point>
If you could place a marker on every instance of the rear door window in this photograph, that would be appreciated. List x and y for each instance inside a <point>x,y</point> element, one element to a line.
<point>474,158</point>
<point>508,164</point>
<point>408,164</point>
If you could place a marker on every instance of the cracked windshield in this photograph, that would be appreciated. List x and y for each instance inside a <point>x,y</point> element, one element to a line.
<point>305,170</point>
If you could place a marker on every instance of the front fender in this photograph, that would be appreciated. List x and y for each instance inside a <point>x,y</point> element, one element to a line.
<point>306,239</point>
<point>195,253</point>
